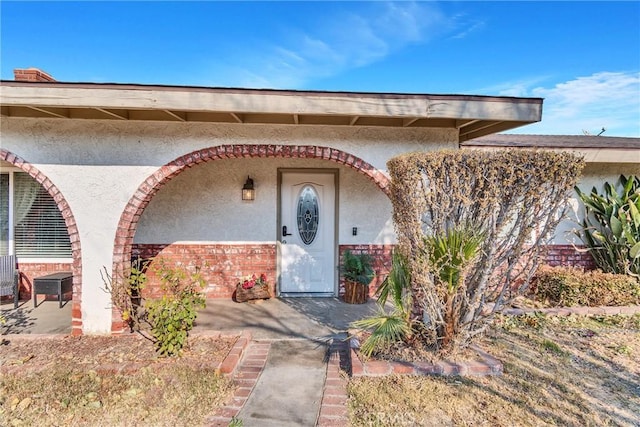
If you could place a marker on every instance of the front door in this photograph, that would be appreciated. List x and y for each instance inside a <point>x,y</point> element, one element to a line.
<point>307,233</point>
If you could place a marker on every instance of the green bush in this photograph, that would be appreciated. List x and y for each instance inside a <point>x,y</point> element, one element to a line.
<point>172,316</point>
<point>569,286</point>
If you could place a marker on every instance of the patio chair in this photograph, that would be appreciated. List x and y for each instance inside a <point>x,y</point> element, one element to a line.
<point>9,277</point>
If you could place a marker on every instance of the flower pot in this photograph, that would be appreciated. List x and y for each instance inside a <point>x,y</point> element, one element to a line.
<point>256,292</point>
<point>355,293</point>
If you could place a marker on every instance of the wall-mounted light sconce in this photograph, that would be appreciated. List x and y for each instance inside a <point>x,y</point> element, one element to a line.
<point>248,192</point>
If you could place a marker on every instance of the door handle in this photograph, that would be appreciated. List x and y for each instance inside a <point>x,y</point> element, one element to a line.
<point>284,231</point>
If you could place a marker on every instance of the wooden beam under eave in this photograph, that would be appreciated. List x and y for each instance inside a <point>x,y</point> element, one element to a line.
<point>494,127</point>
<point>61,113</point>
<point>179,116</point>
<point>296,119</point>
<point>236,117</point>
<point>354,120</point>
<point>462,123</point>
<point>409,122</point>
<point>115,115</point>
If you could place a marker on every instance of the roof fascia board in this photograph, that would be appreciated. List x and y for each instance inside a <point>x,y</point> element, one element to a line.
<point>591,155</point>
<point>270,101</point>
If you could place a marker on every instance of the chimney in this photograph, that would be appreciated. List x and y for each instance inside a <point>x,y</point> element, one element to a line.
<point>31,75</point>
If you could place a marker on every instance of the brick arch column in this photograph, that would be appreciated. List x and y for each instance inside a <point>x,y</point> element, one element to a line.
<point>72,229</point>
<point>135,207</point>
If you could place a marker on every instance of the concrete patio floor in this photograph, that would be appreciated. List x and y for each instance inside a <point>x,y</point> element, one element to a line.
<point>318,319</point>
<point>46,318</point>
<point>283,318</point>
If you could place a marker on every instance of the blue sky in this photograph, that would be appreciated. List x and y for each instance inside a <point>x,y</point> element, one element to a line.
<point>582,57</point>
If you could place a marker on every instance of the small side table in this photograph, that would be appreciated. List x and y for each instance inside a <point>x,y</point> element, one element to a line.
<point>56,283</point>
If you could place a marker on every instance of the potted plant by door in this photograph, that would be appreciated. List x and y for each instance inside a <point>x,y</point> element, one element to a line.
<point>357,272</point>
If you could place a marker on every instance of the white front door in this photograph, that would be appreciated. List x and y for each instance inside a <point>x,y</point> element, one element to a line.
<point>307,233</point>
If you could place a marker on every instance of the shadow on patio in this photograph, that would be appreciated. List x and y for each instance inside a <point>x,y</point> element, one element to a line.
<point>46,318</point>
<point>318,319</point>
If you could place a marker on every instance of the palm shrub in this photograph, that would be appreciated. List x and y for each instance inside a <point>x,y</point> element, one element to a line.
<point>450,257</point>
<point>611,226</point>
<point>389,327</point>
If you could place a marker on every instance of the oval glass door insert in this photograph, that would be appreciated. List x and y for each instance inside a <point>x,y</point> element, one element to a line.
<point>308,214</point>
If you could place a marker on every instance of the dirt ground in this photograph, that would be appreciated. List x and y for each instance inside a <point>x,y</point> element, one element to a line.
<point>569,371</point>
<point>109,381</point>
<point>99,352</point>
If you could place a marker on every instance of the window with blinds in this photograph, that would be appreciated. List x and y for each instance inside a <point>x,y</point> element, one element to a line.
<point>39,229</point>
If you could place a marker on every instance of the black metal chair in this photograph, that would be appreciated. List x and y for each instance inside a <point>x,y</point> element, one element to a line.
<point>9,277</point>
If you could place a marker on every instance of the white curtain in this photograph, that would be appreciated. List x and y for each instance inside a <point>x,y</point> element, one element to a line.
<point>25,190</point>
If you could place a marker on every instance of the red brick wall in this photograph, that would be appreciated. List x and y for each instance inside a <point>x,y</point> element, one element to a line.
<point>31,75</point>
<point>381,254</point>
<point>30,271</point>
<point>222,265</point>
<point>568,255</point>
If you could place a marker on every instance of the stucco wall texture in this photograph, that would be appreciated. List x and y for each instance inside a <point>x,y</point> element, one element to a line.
<point>98,165</point>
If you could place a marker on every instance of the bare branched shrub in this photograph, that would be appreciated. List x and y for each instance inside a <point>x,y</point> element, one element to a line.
<point>513,199</point>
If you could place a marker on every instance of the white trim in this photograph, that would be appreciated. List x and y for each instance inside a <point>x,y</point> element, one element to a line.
<point>22,260</point>
<point>11,225</point>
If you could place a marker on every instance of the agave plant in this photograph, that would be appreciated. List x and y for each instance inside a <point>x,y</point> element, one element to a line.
<point>611,226</point>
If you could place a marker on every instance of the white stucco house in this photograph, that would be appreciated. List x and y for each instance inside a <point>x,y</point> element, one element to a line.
<point>93,175</point>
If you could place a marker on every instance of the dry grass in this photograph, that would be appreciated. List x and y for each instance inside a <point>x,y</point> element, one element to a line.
<point>570,371</point>
<point>63,381</point>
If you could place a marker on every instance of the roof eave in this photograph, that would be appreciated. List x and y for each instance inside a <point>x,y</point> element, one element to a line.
<point>473,116</point>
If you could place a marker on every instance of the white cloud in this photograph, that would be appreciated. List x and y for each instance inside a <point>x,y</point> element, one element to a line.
<point>337,43</point>
<point>605,99</point>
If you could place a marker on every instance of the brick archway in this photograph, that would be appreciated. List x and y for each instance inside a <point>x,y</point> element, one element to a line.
<point>72,229</point>
<point>135,207</point>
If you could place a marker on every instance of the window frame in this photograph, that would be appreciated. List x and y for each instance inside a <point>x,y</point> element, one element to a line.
<point>10,171</point>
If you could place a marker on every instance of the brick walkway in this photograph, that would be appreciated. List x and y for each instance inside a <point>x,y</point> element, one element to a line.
<point>252,361</point>
<point>333,408</point>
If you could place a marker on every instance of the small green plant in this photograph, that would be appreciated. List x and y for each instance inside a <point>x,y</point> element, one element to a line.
<point>357,267</point>
<point>611,226</point>
<point>173,315</point>
<point>357,272</point>
<point>388,328</point>
<point>236,422</point>
<point>552,347</point>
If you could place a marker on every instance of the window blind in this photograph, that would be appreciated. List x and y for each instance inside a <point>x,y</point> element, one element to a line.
<point>40,230</point>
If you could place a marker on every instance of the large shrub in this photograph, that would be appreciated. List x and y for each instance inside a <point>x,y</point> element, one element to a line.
<point>611,225</point>
<point>570,286</point>
<point>511,200</point>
